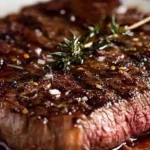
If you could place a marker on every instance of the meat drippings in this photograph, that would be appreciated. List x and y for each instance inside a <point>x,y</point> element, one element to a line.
<point>141,143</point>
<point>3,146</point>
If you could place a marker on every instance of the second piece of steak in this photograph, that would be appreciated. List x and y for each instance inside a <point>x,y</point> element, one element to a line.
<point>96,106</point>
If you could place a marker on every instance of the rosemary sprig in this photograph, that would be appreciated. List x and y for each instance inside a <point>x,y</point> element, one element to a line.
<point>73,54</point>
<point>76,50</point>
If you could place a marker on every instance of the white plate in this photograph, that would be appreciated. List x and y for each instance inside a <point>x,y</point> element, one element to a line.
<point>9,6</point>
<point>141,4</point>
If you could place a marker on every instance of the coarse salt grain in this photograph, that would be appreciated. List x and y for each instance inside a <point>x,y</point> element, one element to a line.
<point>38,51</point>
<point>57,96</point>
<point>38,32</point>
<point>101,58</point>
<point>67,92</point>
<point>72,18</point>
<point>70,113</point>
<point>78,99</point>
<point>48,76</point>
<point>85,98</point>
<point>41,62</point>
<point>1,61</point>
<point>62,11</point>
<point>45,121</point>
<point>54,92</point>
<point>78,121</point>
<point>39,117</point>
<point>48,86</point>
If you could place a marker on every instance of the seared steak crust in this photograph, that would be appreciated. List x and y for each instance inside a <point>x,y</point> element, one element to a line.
<point>97,105</point>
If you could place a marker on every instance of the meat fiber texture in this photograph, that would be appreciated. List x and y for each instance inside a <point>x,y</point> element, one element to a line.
<point>93,107</point>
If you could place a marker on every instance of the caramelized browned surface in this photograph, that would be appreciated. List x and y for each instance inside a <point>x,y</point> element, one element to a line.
<point>115,80</point>
<point>40,28</point>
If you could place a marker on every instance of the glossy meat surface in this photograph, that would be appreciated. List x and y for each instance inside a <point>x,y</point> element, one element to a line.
<point>97,105</point>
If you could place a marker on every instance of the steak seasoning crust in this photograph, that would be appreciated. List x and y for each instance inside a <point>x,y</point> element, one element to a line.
<point>95,106</point>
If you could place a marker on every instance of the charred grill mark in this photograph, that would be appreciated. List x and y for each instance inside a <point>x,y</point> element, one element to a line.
<point>106,97</point>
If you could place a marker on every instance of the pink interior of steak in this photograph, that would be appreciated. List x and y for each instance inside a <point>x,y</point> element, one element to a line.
<point>37,95</point>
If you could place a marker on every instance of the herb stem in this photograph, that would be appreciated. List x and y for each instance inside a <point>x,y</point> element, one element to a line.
<point>138,24</point>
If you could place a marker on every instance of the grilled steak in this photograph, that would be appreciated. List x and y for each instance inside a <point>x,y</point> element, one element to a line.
<point>95,106</point>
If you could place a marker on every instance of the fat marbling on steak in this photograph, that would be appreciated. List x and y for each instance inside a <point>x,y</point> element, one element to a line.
<point>97,105</point>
